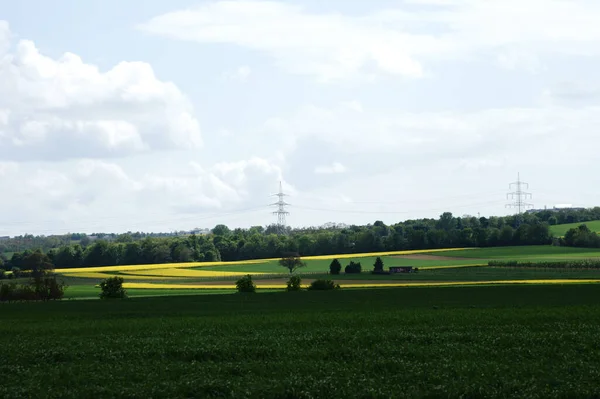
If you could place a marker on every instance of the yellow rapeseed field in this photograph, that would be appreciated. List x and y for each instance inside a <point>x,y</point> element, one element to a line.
<point>365,285</point>
<point>96,275</point>
<point>389,253</point>
<point>123,268</point>
<point>179,272</point>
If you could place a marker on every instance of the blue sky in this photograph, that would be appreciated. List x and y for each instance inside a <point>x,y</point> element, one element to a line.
<point>181,114</point>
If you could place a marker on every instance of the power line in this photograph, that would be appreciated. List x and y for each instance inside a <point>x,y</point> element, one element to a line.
<point>519,196</point>
<point>397,212</point>
<point>280,212</point>
<point>397,202</point>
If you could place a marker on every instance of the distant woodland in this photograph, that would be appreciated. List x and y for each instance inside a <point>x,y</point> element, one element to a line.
<point>225,244</point>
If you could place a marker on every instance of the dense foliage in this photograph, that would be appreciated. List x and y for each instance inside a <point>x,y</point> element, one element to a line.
<point>245,284</point>
<point>470,342</point>
<point>353,267</point>
<point>112,288</point>
<point>42,287</point>
<point>323,285</point>
<point>257,242</point>
<point>294,283</point>
<point>335,267</point>
<point>582,237</point>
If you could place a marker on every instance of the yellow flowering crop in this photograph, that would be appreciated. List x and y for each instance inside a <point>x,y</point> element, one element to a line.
<point>123,268</point>
<point>365,285</point>
<point>179,272</point>
<point>389,253</point>
<point>97,275</point>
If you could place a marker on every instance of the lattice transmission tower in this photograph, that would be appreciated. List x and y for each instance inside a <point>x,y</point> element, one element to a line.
<point>519,196</point>
<point>280,212</point>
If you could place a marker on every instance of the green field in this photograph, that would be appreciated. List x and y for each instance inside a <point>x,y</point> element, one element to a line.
<point>559,230</point>
<point>461,257</point>
<point>446,266</point>
<point>498,341</point>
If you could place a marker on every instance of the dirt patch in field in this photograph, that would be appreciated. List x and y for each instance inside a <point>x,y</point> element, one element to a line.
<point>430,257</point>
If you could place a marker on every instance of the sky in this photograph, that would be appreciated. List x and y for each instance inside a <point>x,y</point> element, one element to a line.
<point>167,116</point>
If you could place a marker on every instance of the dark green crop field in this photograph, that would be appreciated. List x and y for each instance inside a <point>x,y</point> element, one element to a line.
<point>497,341</point>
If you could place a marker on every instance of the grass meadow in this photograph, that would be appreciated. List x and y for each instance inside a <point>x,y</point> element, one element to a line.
<point>536,341</point>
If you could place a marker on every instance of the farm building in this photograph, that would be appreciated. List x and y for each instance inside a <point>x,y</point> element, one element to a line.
<point>401,269</point>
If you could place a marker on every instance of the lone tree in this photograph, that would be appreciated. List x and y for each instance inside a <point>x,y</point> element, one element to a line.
<point>378,265</point>
<point>291,262</point>
<point>112,288</point>
<point>335,267</point>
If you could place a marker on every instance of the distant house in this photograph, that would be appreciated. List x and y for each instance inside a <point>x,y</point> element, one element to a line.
<point>401,269</point>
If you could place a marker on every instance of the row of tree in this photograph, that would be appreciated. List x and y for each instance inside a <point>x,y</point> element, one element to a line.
<point>225,244</point>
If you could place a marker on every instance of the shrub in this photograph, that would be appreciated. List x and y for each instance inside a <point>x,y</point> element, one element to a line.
<point>353,267</point>
<point>322,285</point>
<point>293,283</point>
<point>16,272</point>
<point>335,267</point>
<point>2,274</point>
<point>112,288</point>
<point>245,284</point>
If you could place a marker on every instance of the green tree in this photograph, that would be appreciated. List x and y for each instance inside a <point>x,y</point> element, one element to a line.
<point>221,230</point>
<point>378,265</point>
<point>292,262</point>
<point>245,284</point>
<point>335,267</point>
<point>294,283</point>
<point>112,288</point>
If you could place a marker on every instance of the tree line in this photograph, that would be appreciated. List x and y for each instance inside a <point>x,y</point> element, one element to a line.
<point>224,244</point>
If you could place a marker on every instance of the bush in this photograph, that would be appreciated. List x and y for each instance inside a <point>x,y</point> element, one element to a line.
<point>245,284</point>
<point>353,267</point>
<point>40,289</point>
<point>323,285</point>
<point>112,288</point>
<point>293,283</point>
<point>335,267</point>
<point>2,274</point>
<point>16,272</point>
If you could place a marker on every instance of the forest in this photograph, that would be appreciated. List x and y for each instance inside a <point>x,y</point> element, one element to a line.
<point>225,244</point>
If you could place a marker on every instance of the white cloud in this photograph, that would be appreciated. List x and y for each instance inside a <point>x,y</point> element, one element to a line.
<point>92,195</point>
<point>391,41</point>
<point>64,108</point>
<point>334,168</point>
<point>529,134</point>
